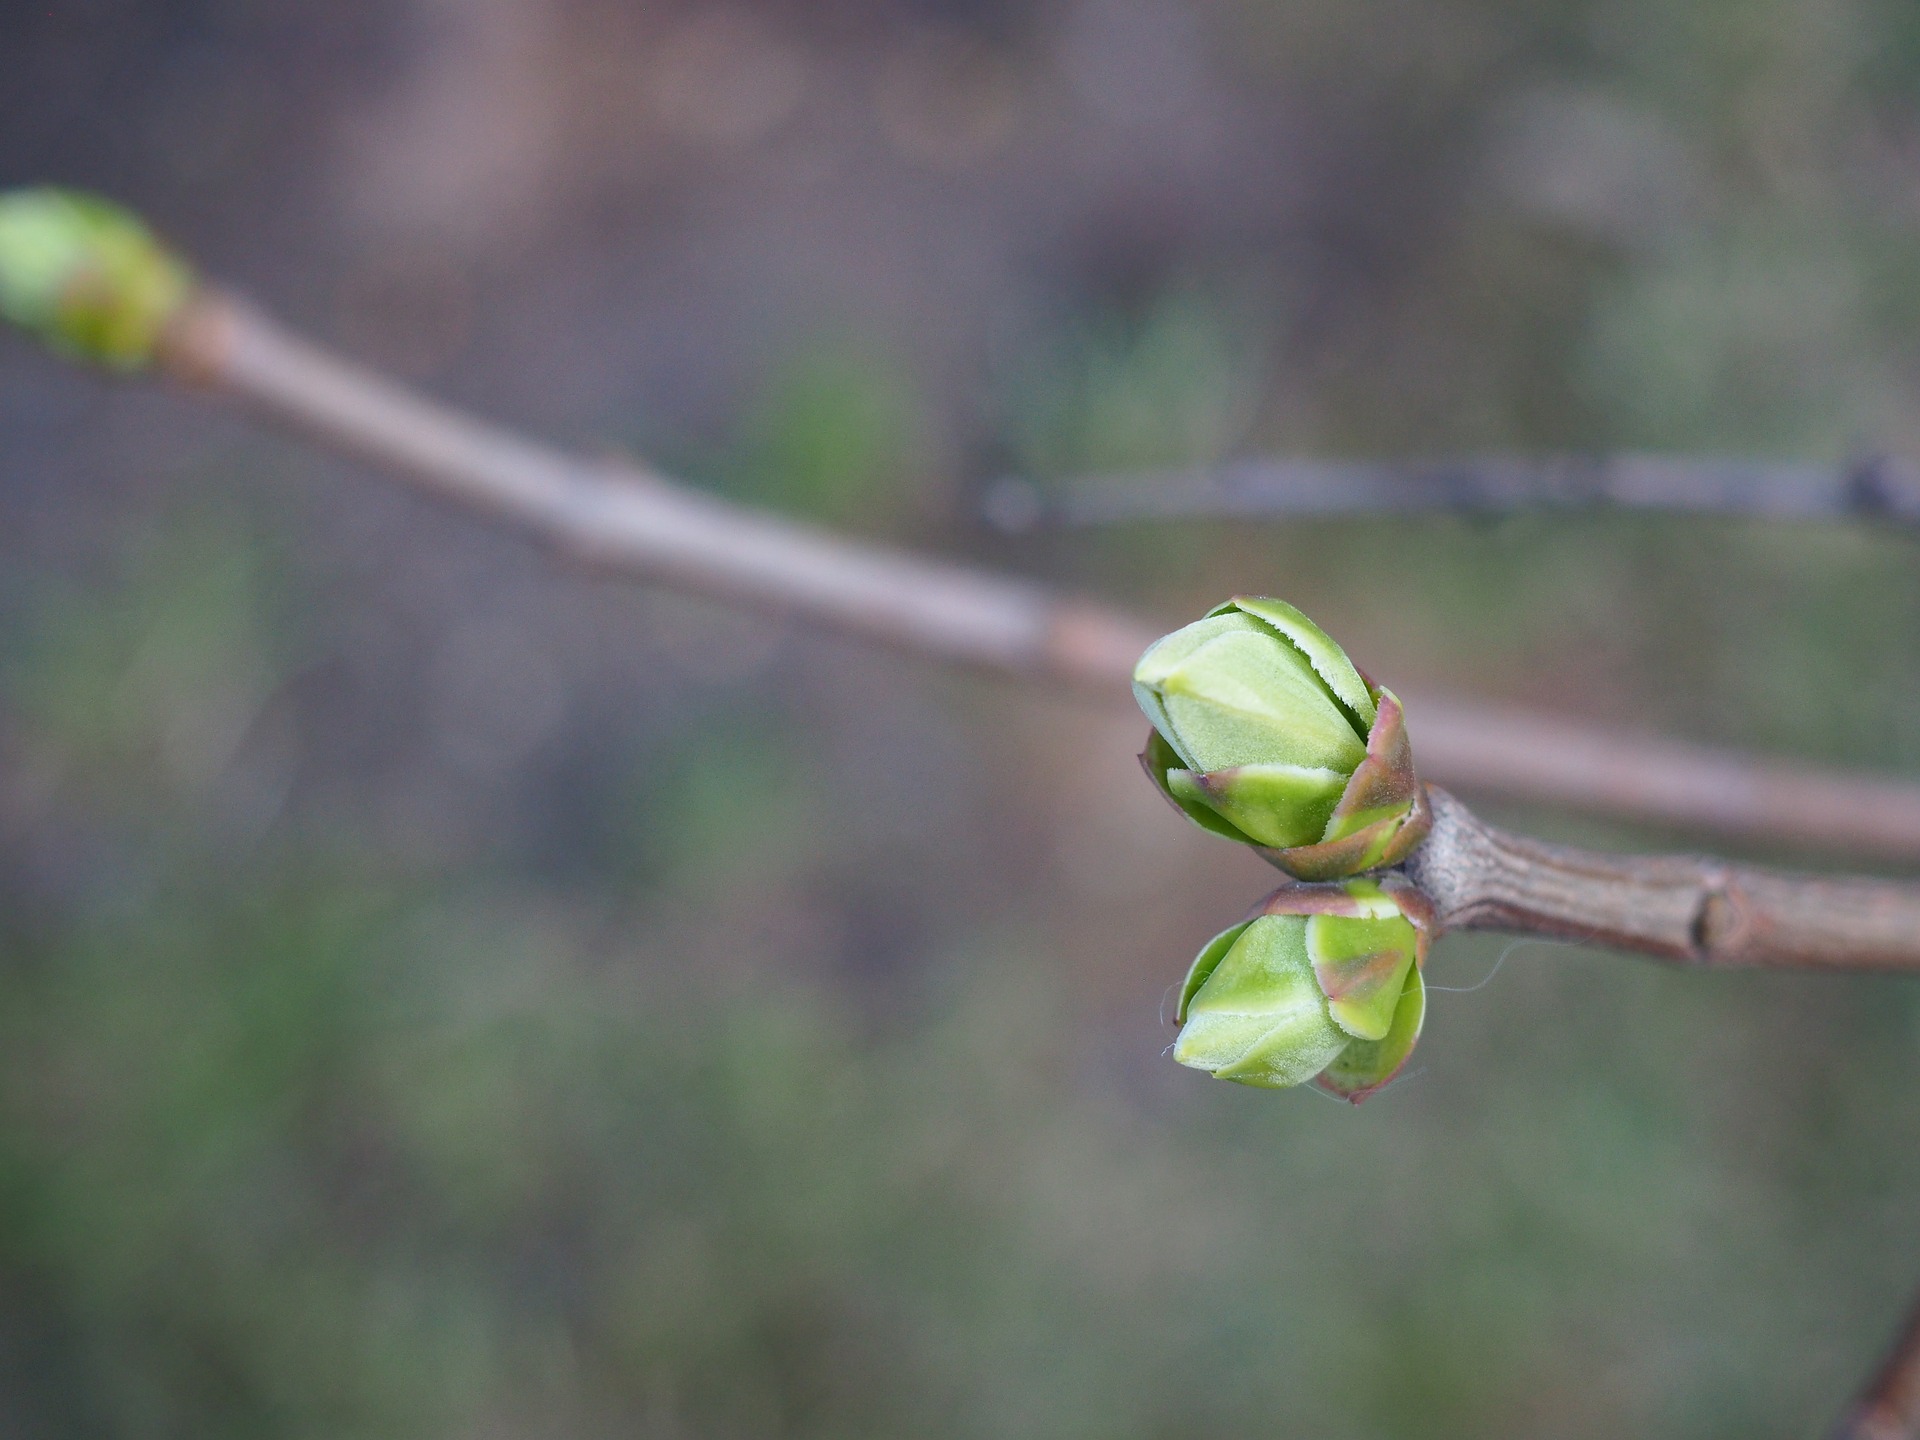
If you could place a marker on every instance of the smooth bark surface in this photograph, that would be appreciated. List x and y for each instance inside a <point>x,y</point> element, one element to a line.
<point>625,518</point>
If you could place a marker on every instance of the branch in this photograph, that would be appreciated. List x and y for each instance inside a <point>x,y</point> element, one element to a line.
<point>1889,1407</point>
<point>1689,909</point>
<point>628,519</point>
<point>1879,488</point>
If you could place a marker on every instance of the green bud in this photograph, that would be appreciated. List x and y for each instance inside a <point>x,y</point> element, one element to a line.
<point>86,276</point>
<point>1323,983</point>
<point>1264,732</point>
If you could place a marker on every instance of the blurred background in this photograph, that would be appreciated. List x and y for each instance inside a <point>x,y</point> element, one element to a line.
<point>444,996</point>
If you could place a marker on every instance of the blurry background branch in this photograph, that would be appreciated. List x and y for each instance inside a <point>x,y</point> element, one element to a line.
<point>1874,488</point>
<point>624,518</point>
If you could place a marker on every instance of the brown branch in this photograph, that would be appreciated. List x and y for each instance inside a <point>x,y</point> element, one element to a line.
<point>1688,909</point>
<point>629,519</point>
<point>1538,758</point>
<point>618,516</point>
<point>1889,1407</point>
<point>1267,489</point>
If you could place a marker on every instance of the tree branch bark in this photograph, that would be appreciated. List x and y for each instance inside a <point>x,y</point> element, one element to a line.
<point>1687,909</point>
<point>1889,1407</point>
<point>625,518</point>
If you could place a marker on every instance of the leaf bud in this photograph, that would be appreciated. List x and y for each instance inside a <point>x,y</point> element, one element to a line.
<point>87,276</point>
<point>1323,983</point>
<point>1264,732</point>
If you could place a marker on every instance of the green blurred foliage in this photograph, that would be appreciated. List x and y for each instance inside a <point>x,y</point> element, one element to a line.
<point>1178,385</point>
<point>295,1145</point>
<point>835,434</point>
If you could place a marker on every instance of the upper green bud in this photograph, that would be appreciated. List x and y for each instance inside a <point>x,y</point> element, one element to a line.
<point>1323,983</point>
<point>1264,732</point>
<point>86,276</point>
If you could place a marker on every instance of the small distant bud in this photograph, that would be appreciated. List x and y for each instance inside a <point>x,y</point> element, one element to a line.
<point>1323,983</point>
<point>86,276</point>
<point>1264,732</point>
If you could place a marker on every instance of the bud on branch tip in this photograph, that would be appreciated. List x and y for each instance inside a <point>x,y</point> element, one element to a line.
<point>87,276</point>
<point>1264,732</point>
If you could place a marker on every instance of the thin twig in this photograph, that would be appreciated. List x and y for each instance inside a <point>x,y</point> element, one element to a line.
<point>1689,909</point>
<point>1879,488</point>
<point>1889,1407</point>
<point>632,520</point>
<point>621,517</point>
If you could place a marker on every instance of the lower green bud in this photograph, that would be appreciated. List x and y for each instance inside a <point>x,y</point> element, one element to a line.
<point>87,276</point>
<point>1322,984</point>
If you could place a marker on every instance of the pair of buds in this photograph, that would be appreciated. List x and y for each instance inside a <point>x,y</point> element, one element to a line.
<point>1265,733</point>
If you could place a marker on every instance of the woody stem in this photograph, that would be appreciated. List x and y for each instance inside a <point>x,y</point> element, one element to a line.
<point>1687,909</point>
